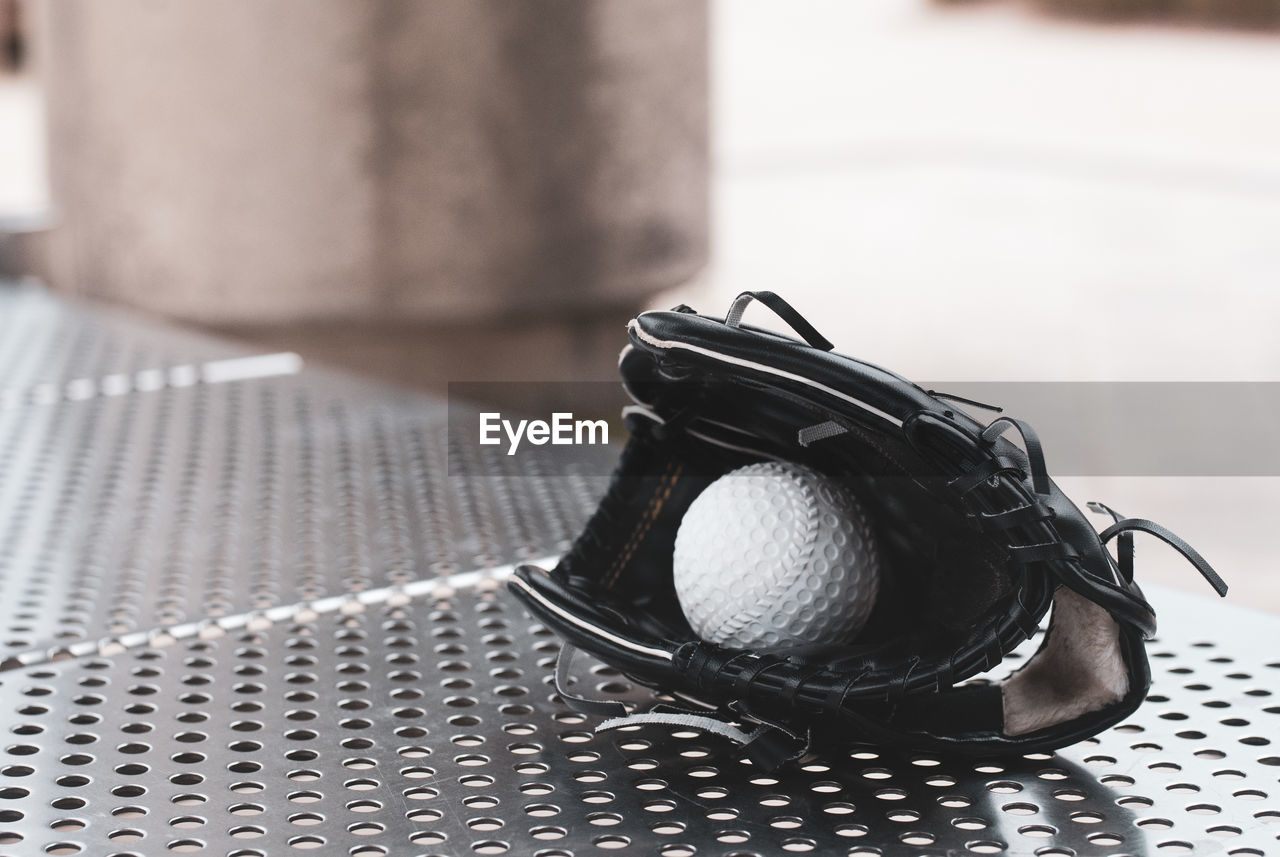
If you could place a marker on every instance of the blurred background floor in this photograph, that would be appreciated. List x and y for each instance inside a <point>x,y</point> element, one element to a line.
<point>1101,199</point>
<point>981,192</point>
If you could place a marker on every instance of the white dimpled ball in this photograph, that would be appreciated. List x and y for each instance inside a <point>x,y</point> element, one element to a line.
<point>776,555</point>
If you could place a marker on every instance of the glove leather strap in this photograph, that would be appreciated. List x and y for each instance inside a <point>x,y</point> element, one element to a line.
<point>784,311</point>
<point>582,704</point>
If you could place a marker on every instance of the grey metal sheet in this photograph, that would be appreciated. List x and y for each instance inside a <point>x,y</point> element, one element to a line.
<point>431,727</point>
<point>47,342</point>
<point>137,493</point>
<point>119,514</point>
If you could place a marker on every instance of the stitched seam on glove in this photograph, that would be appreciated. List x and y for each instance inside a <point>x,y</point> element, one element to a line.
<point>651,514</point>
<point>629,546</point>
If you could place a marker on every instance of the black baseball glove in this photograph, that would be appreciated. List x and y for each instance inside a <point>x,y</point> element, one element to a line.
<point>976,543</point>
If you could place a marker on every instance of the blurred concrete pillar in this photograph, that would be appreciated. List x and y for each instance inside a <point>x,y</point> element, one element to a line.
<point>256,164</point>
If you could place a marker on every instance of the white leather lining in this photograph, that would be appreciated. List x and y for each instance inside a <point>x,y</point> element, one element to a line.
<point>1079,669</point>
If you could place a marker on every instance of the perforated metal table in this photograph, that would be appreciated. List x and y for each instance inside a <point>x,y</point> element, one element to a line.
<point>249,610</point>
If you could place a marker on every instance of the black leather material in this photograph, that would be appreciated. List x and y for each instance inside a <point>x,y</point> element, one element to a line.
<point>975,539</point>
<point>1095,577</point>
<point>878,387</point>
